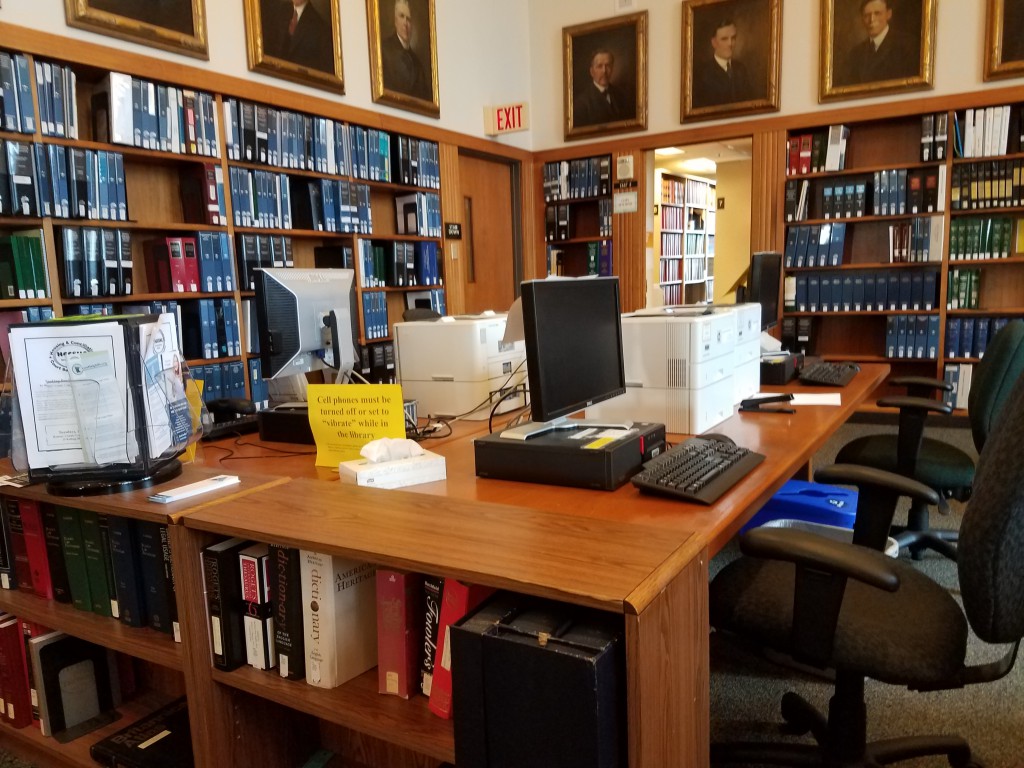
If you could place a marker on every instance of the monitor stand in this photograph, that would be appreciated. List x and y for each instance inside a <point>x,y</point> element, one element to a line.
<point>535,428</point>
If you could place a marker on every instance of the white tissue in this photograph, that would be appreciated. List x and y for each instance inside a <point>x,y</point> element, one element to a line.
<point>389,449</point>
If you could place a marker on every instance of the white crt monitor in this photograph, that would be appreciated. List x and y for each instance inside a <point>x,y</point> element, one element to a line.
<point>459,366</point>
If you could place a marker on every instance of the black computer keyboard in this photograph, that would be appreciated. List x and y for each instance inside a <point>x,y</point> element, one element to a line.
<point>698,470</point>
<point>238,426</point>
<point>828,374</point>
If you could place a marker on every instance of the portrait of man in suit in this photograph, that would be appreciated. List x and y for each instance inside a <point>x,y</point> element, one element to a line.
<point>403,54</point>
<point>731,57</point>
<point>175,25</point>
<point>605,75</point>
<point>1013,31</point>
<point>300,33</point>
<point>170,14</point>
<point>876,46</point>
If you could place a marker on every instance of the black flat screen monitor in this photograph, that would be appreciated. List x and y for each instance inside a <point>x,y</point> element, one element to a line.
<point>573,336</point>
<point>304,319</point>
<point>765,285</point>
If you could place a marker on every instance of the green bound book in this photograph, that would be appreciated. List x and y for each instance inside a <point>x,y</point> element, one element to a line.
<point>96,555</point>
<point>70,525</point>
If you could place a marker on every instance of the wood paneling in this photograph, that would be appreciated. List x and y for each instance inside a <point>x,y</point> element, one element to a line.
<point>629,253</point>
<point>766,194</point>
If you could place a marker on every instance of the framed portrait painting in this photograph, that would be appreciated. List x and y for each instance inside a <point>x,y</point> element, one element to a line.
<point>870,47</point>
<point>1004,41</point>
<point>296,40</point>
<point>731,58</point>
<point>605,76</point>
<point>403,54</point>
<point>174,25</point>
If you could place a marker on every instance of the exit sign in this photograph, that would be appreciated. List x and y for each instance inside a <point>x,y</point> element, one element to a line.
<point>506,118</point>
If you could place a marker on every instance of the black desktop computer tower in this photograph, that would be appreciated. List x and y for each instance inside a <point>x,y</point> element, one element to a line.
<point>563,457</point>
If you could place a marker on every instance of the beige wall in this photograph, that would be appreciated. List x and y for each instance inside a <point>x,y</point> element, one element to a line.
<point>732,225</point>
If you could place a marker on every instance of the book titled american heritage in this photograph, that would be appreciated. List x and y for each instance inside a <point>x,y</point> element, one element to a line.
<point>339,618</point>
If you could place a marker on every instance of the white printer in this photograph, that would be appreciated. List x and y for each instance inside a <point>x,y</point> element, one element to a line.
<point>679,369</point>
<point>459,366</point>
<point>746,375</point>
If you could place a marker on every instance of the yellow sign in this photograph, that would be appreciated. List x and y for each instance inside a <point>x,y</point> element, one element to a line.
<point>345,417</point>
<point>194,394</point>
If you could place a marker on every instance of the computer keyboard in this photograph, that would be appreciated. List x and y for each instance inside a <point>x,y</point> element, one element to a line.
<point>698,470</point>
<point>828,374</point>
<point>240,425</point>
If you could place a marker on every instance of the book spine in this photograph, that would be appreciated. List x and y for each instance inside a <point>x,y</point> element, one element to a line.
<point>22,568</point>
<point>8,578</point>
<point>124,555</point>
<point>35,545</point>
<point>432,586</point>
<point>103,603</point>
<point>399,631</point>
<point>156,586</point>
<point>457,599</point>
<point>70,527</point>
<point>258,619</point>
<point>223,602</point>
<point>286,596</point>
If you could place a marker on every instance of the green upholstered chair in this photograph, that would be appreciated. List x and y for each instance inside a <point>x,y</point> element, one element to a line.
<point>851,609</point>
<point>941,466</point>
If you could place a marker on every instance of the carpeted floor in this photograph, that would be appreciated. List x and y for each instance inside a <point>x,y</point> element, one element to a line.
<point>746,689</point>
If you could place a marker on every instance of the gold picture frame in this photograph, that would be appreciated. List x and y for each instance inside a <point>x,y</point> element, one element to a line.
<point>307,52</point>
<point>403,55</point>
<point>904,60</point>
<point>604,76</point>
<point>178,26</point>
<point>1004,45</point>
<point>731,58</point>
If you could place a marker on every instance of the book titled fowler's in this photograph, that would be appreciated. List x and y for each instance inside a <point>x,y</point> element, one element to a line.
<point>399,631</point>
<point>286,598</point>
<point>339,618</point>
<point>162,739</point>
<point>432,586</point>
<point>258,618</point>
<point>457,599</point>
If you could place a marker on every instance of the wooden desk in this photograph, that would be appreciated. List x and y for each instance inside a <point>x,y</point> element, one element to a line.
<point>643,557</point>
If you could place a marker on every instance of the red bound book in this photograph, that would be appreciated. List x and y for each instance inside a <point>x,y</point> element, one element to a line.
<point>28,630</point>
<point>191,264</point>
<point>399,631</point>
<point>35,544</point>
<point>793,167</point>
<point>457,599</point>
<point>15,681</point>
<point>806,143</point>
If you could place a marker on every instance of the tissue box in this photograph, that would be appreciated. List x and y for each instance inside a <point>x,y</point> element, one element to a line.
<point>397,473</point>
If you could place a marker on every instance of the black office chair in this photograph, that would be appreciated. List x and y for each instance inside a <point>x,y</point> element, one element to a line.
<point>851,609</point>
<point>420,313</point>
<point>939,465</point>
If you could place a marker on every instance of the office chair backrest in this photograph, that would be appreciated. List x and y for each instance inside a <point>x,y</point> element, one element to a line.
<point>990,557</point>
<point>994,377</point>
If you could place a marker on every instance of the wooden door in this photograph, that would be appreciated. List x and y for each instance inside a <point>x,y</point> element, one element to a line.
<point>488,242</point>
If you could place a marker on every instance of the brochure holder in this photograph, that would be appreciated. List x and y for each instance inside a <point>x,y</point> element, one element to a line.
<point>99,404</point>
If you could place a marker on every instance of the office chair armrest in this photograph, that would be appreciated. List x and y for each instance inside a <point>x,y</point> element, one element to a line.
<point>863,477</point>
<point>814,551</point>
<point>924,382</point>
<point>905,402</point>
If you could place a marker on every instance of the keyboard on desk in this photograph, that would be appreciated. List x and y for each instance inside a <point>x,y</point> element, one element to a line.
<point>240,425</point>
<point>828,374</point>
<point>698,470</point>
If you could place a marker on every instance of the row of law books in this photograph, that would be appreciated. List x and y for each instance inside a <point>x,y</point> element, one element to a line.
<point>201,188</point>
<point>814,245</point>
<point>934,137</point>
<point>418,213</point>
<point>17,113</point>
<point>987,184</point>
<point>23,273</point>
<point>96,262</point>
<point>375,315</point>
<point>376,362</point>
<point>111,566</point>
<point>695,193</point>
<point>260,251</point>
<point>963,289</point>
<point>818,151</point>
<point>201,263</point>
<point>331,205</point>
<point>141,113</point>
<point>969,336</point>
<point>56,94</point>
<point>260,199</point>
<point>672,294</point>
<point>327,619</point>
<point>65,182</point>
<point>581,177</point>
<point>226,380</point>
<point>558,221</point>
<point>916,240</point>
<point>211,329</point>
<point>979,239</point>
<point>398,263</point>
<point>912,337</point>
<point>869,291</point>
<point>988,131</point>
<point>599,258</point>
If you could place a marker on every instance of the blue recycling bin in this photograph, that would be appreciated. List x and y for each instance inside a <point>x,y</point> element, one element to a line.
<point>809,502</point>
